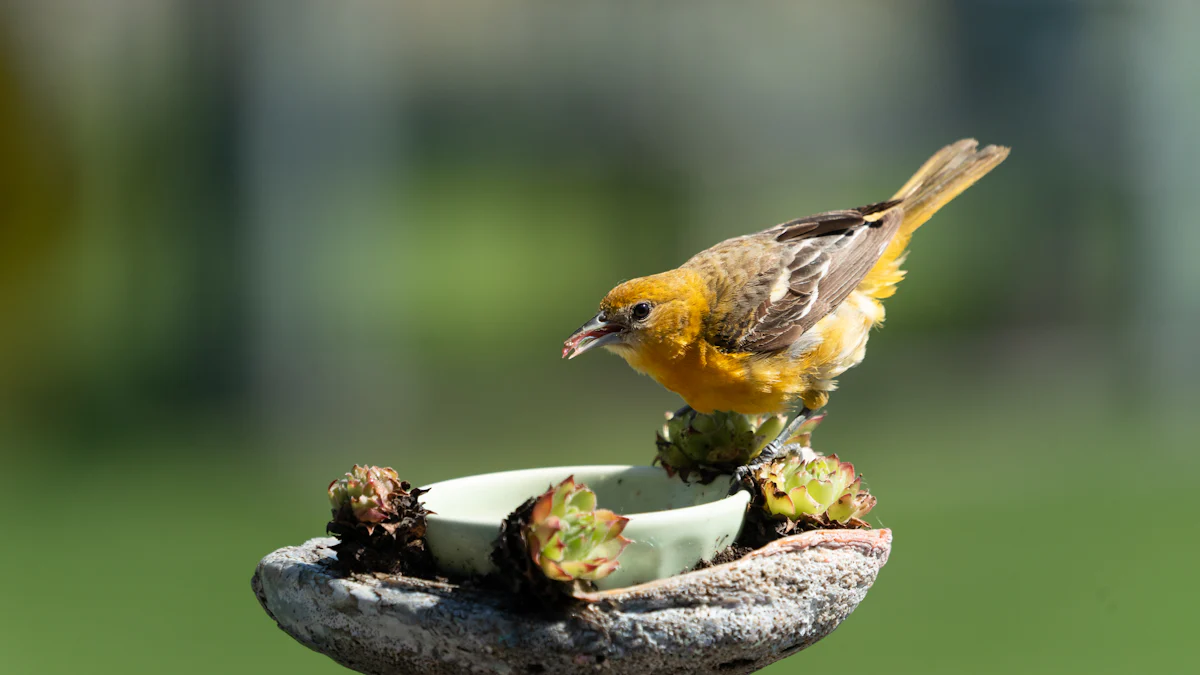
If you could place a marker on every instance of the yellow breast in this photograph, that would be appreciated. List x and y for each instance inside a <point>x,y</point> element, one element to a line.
<point>709,379</point>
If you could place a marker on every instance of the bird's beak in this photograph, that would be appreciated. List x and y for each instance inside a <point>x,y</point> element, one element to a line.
<point>595,333</point>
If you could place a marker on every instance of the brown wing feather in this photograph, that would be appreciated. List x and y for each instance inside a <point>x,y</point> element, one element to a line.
<point>774,285</point>
<point>825,269</point>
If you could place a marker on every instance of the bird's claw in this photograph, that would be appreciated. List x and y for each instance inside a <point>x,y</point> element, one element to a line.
<point>741,479</point>
<point>742,474</point>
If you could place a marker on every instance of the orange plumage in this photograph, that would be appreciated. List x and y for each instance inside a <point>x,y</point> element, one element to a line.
<point>765,322</point>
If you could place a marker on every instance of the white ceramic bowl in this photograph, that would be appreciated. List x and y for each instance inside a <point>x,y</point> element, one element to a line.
<point>674,525</point>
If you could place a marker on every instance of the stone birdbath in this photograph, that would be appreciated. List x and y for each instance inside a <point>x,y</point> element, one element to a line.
<point>730,617</point>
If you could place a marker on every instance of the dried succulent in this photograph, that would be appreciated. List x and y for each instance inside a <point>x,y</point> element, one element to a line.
<point>379,522</point>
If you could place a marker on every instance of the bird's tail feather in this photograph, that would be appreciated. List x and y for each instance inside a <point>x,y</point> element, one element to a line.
<point>943,177</point>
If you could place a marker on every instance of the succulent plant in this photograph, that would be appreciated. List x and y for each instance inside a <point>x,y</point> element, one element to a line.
<point>379,522</point>
<point>555,545</point>
<point>715,443</point>
<point>569,538</point>
<point>366,490</point>
<point>823,491</point>
<point>803,434</point>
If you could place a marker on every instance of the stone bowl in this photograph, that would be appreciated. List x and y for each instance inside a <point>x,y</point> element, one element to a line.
<point>674,525</point>
<point>732,618</point>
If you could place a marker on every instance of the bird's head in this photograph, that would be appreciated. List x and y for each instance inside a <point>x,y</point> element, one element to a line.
<point>664,311</point>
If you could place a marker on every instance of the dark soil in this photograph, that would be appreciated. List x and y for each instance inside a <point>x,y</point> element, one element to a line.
<point>731,553</point>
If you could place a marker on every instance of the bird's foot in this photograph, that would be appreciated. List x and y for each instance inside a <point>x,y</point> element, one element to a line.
<point>775,447</point>
<point>742,476</point>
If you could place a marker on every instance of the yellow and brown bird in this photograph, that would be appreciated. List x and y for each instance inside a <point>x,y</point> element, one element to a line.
<point>764,323</point>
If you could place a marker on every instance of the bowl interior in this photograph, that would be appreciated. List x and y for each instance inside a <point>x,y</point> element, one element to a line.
<point>627,490</point>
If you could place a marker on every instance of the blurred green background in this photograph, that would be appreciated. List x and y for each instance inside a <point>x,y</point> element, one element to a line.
<point>244,245</point>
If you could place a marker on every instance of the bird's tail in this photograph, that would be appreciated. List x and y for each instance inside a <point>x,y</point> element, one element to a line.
<point>943,177</point>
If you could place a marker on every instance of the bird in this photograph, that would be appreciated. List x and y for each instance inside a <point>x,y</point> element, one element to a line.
<point>765,323</point>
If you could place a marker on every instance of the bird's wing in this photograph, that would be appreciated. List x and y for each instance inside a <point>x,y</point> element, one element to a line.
<point>788,277</point>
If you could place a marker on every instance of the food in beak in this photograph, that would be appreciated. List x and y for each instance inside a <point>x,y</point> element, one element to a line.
<point>594,333</point>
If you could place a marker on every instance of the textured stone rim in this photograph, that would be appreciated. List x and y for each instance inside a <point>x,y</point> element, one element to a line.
<point>731,618</point>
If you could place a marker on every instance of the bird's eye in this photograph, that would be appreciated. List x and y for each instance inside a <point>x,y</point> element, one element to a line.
<point>640,311</point>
